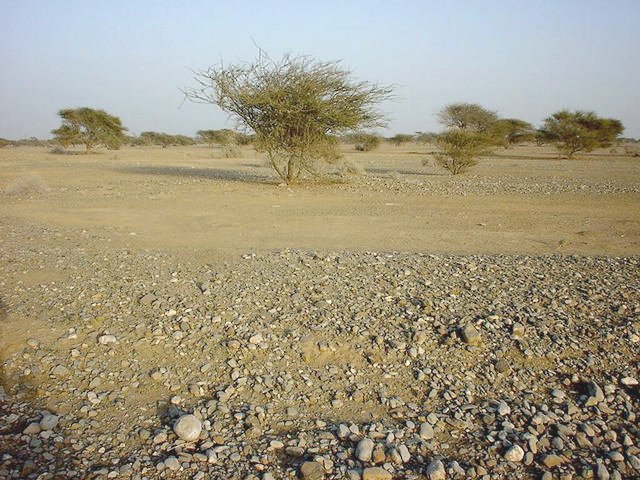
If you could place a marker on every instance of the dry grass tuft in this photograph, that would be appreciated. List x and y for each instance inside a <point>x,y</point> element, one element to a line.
<point>27,184</point>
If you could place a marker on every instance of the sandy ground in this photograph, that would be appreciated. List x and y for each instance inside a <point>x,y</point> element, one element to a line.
<point>185,200</point>
<point>85,238</point>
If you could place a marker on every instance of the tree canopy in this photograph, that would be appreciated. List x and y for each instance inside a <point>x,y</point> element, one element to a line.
<point>401,138</point>
<point>470,132</point>
<point>578,131</point>
<point>467,116</point>
<point>296,106</point>
<point>89,127</point>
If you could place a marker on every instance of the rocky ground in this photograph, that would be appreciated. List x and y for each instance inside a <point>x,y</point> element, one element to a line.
<point>317,365</point>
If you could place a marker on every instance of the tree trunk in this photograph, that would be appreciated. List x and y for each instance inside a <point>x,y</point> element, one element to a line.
<point>291,176</point>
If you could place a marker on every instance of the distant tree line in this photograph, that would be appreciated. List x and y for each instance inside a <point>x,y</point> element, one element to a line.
<point>297,111</point>
<point>470,131</point>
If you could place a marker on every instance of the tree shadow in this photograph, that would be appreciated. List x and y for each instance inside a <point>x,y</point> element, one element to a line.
<point>389,171</point>
<point>206,173</point>
<point>62,151</point>
<point>522,157</point>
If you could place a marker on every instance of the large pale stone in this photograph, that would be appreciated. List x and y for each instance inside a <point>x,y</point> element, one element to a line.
<point>188,428</point>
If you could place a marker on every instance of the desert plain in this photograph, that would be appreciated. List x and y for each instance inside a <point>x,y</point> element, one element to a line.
<point>398,323</point>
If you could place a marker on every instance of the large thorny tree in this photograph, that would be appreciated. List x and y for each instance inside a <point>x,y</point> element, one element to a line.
<point>89,127</point>
<point>296,106</point>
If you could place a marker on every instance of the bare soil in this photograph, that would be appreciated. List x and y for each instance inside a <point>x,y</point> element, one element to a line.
<point>240,299</point>
<point>185,200</point>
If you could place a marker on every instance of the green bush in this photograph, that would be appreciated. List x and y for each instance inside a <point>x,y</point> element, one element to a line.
<point>580,131</point>
<point>89,127</point>
<point>459,149</point>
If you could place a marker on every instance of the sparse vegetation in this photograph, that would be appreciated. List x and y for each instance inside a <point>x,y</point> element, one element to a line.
<point>425,138</point>
<point>216,137</point>
<point>469,117</point>
<point>469,134</point>
<point>580,131</point>
<point>26,185</point>
<point>227,139</point>
<point>400,139</point>
<point>161,139</point>
<point>365,142</point>
<point>296,106</point>
<point>89,127</point>
<point>512,131</point>
<point>459,149</point>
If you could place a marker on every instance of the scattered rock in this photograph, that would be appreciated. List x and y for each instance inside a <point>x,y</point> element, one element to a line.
<point>426,431</point>
<point>551,460</point>
<point>60,371</point>
<point>312,471</point>
<point>629,381</point>
<point>435,471</point>
<point>106,339</point>
<point>375,473</point>
<point>49,421</point>
<point>470,334</point>
<point>188,428</point>
<point>364,450</point>
<point>514,454</point>
<point>172,463</point>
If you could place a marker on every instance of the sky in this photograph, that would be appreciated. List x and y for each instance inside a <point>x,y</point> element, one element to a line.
<point>523,59</point>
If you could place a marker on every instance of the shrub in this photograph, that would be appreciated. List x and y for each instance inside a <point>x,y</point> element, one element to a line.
<point>470,133</point>
<point>425,137</point>
<point>28,184</point>
<point>231,151</point>
<point>400,139</point>
<point>365,142</point>
<point>459,149</point>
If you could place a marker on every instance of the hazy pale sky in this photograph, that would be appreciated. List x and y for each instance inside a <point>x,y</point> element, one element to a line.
<point>525,58</point>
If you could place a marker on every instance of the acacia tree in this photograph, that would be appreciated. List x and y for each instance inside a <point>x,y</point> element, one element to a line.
<point>459,149</point>
<point>578,131</point>
<point>296,107</point>
<point>511,131</point>
<point>217,137</point>
<point>89,127</point>
<point>467,116</point>
<point>468,134</point>
<point>365,142</point>
<point>400,139</point>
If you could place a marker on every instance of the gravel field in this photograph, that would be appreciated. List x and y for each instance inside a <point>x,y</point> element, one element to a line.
<point>318,364</point>
<point>171,320</point>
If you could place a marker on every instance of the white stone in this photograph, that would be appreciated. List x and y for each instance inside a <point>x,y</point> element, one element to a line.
<point>188,428</point>
<point>106,339</point>
<point>364,450</point>
<point>514,454</point>
<point>426,431</point>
